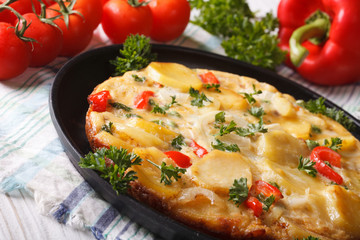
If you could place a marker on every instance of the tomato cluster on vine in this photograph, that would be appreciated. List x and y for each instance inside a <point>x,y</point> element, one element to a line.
<point>34,32</point>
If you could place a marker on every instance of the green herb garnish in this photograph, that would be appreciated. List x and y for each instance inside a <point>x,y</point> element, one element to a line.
<point>257,111</point>
<point>168,172</point>
<point>250,96</point>
<point>225,147</point>
<point>318,106</point>
<point>162,110</point>
<point>252,129</point>
<point>113,164</point>
<point>334,144</point>
<point>239,191</point>
<point>107,127</point>
<point>118,105</point>
<point>135,55</point>
<point>138,79</point>
<point>199,98</point>
<point>305,164</point>
<point>213,86</point>
<point>178,142</point>
<point>267,201</point>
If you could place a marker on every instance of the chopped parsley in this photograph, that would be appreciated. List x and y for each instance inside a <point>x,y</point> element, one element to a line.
<point>318,106</point>
<point>315,129</point>
<point>334,144</point>
<point>138,79</point>
<point>312,144</point>
<point>267,201</point>
<point>118,105</point>
<point>239,191</point>
<point>198,98</point>
<point>249,96</point>
<point>178,142</point>
<point>213,86</point>
<point>305,164</point>
<point>107,127</point>
<point>309,238</point>
<point>219,145</point>
<point>162,110</point>
<point>168,172</point>
<point>257,111</point>
<point>113,164</point>
<point>252,129</point>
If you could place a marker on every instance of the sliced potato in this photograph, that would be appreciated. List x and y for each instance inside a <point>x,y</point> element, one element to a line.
<point>173,75</point>
<point>110,140</point>
<point>228,99</point>
<point>298,127</point>
<point>283,106</point>
<point>217,170</point>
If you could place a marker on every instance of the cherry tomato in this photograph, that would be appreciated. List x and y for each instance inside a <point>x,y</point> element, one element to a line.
<point>254,204</point>
<point>98,101</point>
<point>120,19</point>
<point>209,77</point>
<point>179,158</point>
<point>141,101</point>
<point>14,53</point>
<point>22,7</point>
<point>170,18</point>
<point>48,40</point>
<point>321,154</point>
<point>266,189</point>
<point>198,150</point>
<point>77,36</point>
<point>91,11</point>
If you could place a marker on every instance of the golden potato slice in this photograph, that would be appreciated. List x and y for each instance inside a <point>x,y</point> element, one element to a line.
<point>283,106</point>
<point>173,75</point>
<point>298,127</point>
<point>228,99</point>
<point>217,170</point>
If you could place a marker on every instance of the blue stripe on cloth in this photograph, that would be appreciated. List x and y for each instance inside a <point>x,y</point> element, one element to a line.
<point>103,222</point>
<point>118,237</point>
<point>29,169</point>
<point>73,199</point>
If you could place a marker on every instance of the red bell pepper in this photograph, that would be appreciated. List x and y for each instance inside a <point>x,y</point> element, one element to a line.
<point>254,204</point>
<point>198,150</point>
<point>98,101</point>
<point>141,101</point>
<point>321,154</point>
<point>335,57</point>
<point>266,189</point>
<point>209,78</point>
<point>179,158</point>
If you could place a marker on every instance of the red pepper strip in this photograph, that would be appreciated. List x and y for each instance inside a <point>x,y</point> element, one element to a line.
<point>266,189</point>
<point>98,101</point>
<point>210,78</point>
<point>179,158</point>
<point>142,100</point>
<point>199,150</point>
<point>336,60</point>
<point>254,204</point>
<point>316,156</point>
<point>327,154</point>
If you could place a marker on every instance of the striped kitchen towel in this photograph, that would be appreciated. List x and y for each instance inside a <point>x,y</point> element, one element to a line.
<point>33,159</point>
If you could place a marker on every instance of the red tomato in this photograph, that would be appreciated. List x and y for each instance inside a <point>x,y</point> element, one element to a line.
<point>21,6</point>
<point>14,53</point>
<point>76,37</point>
<point>198,150</point>
<point>179,158</point>
<point>48,40</point>
<point>141,101</point>
<point>321,154</point>
<point>210,78</point>
<point>120,19</point>
<point>170,18</point>
<point>91,11</point>
<point>98,101</point>
<point>254,204</point>
<point>266,189</point>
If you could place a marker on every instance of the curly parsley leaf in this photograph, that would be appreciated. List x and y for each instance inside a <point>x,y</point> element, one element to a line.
<point>213,86</point>
<point>267,201</point>
<point>168,172</point>
<point>135,55</point>
<point>312,144</point>
<point>309,238</point>
<point>178,142</point>
<point>162,110</point>
<point>318,106</point>
<point>244,35</point>
<point>199,98</point>
<point>239,191</point>
<point>305,164</point>
<point>113,165</point>
<point>250,96</point>
<point>252,129</point>
<point>334,144</point>
<point>219,145</point>
<point>257,111</point>
<point>138,79</point>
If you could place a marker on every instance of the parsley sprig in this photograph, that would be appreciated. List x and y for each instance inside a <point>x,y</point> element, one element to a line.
<point>117,172</point>
<point>162,110</point>
<point>239,191</point>
<point>198,98</point>
<point>135,55</point>
<point>250,96</point>
<point>168,172</point>
<point>122,106</point>
<point>219,145</point>
<point>107,127</point>
<point>305,164</point>
<point>178,142</point>
<point>318,106</point>
<point>334,143</point>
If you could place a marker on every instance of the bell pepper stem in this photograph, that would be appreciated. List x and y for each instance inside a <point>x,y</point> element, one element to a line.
<point>298,53</point>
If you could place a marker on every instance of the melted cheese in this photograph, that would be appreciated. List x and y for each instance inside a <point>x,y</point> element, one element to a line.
<point>311,205</point>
